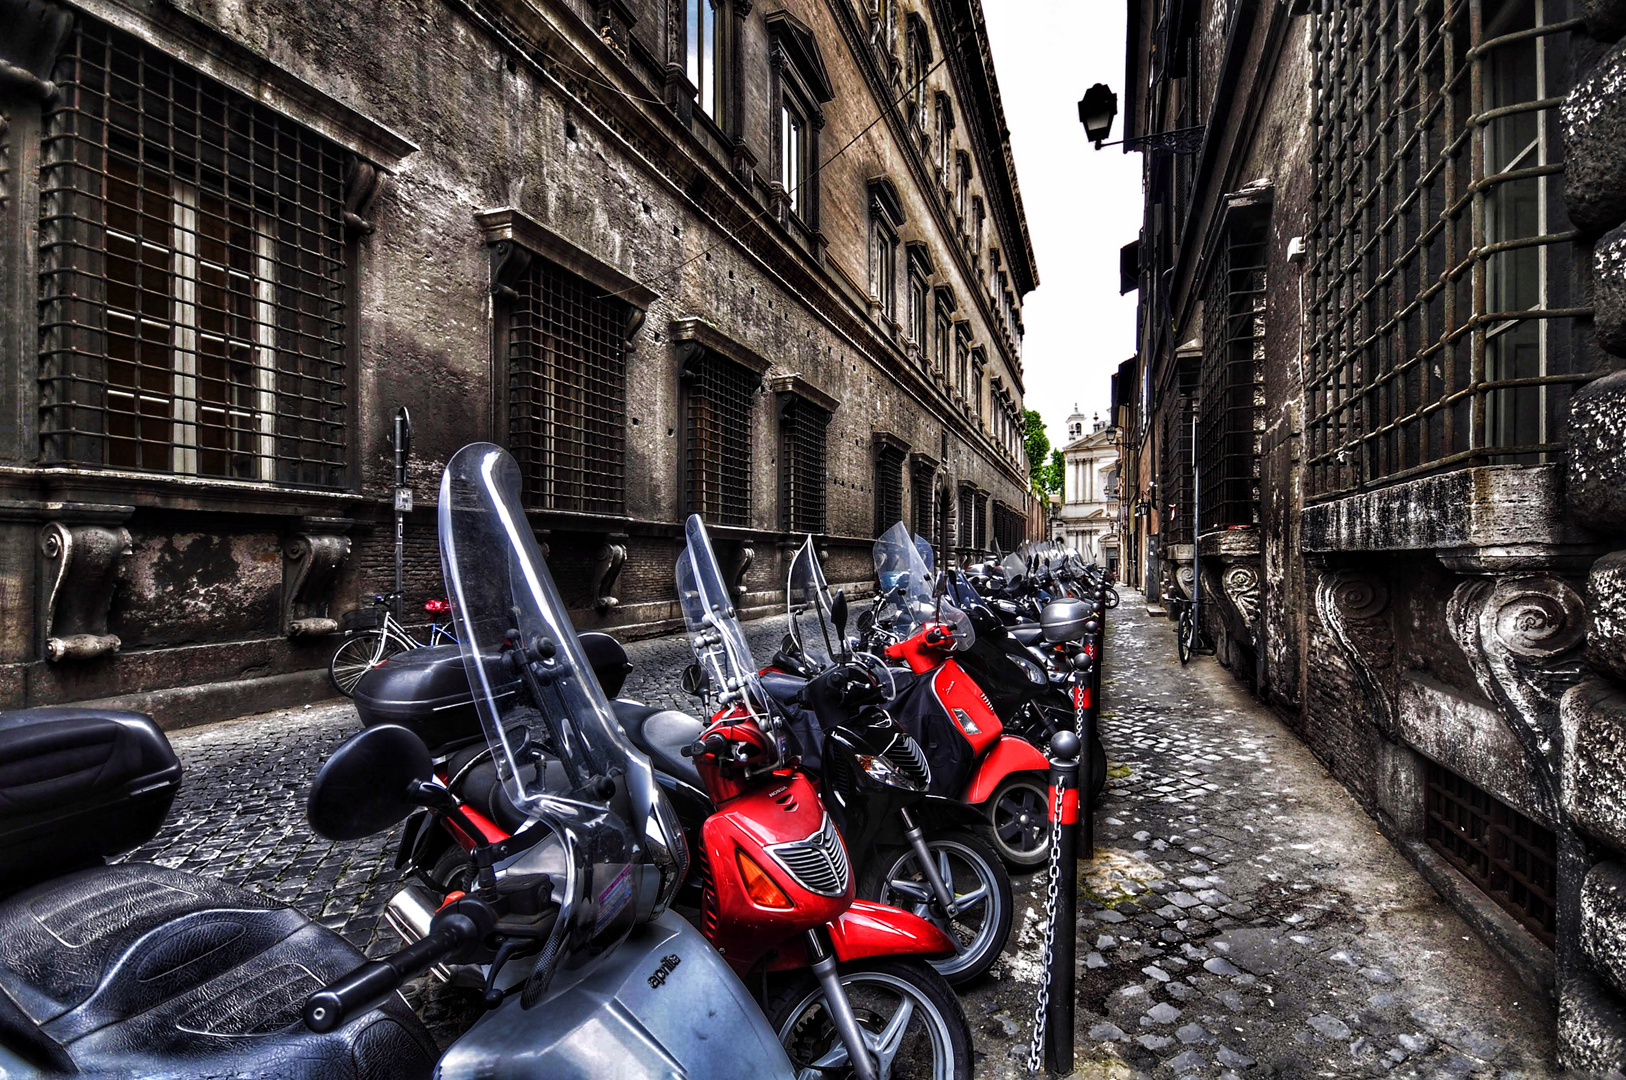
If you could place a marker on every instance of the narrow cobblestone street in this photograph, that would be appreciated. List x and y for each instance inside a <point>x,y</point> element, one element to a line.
<point>1244,918</point>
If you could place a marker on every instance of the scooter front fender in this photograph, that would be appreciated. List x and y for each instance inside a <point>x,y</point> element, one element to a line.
<point>871,929</point>
<point>1009,755</point>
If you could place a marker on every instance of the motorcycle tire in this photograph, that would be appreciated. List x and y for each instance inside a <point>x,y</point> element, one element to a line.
<point>1112,598</point>
<point>1020,822</point>
<point>1184,637</point>
<point>895,878</point>
<point>935,1040</point>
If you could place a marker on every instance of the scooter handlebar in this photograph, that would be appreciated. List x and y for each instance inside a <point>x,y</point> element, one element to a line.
<point>359,990</point>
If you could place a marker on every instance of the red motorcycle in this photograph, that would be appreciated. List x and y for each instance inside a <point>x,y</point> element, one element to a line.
<point>971,757</point>
<point>777,889</point>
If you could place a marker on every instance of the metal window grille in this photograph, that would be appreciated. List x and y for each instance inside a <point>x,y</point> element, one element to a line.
<point>1510,857</point>
<point>720,401</point>
<point>803,477</point>
<point>1441,309</point>
<point>1231,389</point>
<point>924,500</point>
<point>888,488</point>
<point>1174,483</point>
<point>964,511</point>
<point>567,392</point>
<point>1009,527</point>
<point>192,274</point>
<point>980,536</point>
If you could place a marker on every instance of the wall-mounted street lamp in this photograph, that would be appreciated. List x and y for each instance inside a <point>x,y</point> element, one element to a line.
<point>1099,107</point>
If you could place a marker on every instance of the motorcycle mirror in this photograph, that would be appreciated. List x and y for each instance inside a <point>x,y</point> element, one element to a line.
<point>866,619</point>
<point>838,613</point>
<point>366,785</point>
<point>693,681</point>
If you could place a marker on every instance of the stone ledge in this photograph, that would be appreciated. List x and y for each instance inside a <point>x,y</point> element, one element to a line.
<point>1467,737</point>
<point>1593,716</point>
<point>1530,959</point>
<point>1488,507</point>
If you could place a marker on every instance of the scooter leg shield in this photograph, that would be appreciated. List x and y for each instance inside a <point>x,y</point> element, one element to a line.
<point>870,929</point>
<point>1009,755</point>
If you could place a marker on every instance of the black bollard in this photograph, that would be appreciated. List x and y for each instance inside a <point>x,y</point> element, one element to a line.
<point>1063,973</point>
<point>1087,734</point>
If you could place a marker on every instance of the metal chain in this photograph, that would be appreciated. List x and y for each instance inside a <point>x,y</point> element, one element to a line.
<point>1052,891</point>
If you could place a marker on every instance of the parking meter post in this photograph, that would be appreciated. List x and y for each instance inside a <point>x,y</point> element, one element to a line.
<point>1062,975</point>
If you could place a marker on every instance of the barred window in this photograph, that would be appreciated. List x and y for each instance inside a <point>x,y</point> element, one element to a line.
<point>1010,527</point>
<point>1439,277</point>
<point>1231,387</point>
<point>719,404</point>
<point>567,392</point>
<point>192,274</point>
<point>803,477</point>
<point>1174,484</point>
<point>888,487</point>
<point>979,536</point>
<point>965,510</point>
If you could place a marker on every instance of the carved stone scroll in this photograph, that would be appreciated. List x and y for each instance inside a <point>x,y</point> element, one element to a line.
<point>743,558</point>
<point>80,570</point>
<point>1241,585</point>
<point>1350,605</point>
<point>612,556</point>
<point>310,564</point>
<point>1522,635</point>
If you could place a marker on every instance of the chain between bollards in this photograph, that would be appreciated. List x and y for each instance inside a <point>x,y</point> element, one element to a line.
<point>1062,971</point>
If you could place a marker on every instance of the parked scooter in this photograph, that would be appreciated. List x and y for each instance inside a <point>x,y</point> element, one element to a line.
<point>136,970</point>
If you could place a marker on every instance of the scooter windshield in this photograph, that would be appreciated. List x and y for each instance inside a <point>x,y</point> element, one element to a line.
<point>807,601</point>
<point>1014,567</point>
<point>714,626</point>
<point>907,603</point>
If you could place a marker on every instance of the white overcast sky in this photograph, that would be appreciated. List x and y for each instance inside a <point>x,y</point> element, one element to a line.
<point>1082,204</point>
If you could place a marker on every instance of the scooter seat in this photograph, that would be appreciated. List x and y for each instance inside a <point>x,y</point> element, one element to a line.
<point>138,970</point>
<point>1027,633</point>
<point>662,734</point>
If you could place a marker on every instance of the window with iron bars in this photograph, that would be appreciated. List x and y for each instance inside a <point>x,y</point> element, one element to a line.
<point>1174,485</point>
<point>802,473</point>
<point>888,488</point>
<point>924,499</point>
<point>1010,527</point>
<point>965,511</point>
<point>1439,280</point>
<point>567,392</point>
<point>1511,858</point>
<point>979,537</point>
<point>721,397</point>
<point>1231,385</point>
<point>193,278</point>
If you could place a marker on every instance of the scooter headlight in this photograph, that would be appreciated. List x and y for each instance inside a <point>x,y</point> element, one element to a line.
<point>882,771</point>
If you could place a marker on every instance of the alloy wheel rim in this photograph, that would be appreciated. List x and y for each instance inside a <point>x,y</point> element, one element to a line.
<point>1020,823</point>
<point>888,1031</point>
<point>911,892</point>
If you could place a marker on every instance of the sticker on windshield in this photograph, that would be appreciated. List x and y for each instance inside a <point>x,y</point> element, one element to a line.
<point>614,899</point>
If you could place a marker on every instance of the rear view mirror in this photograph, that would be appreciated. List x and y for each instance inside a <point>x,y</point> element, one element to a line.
<point>366,785</point>
<point>694,681</point>
<point>838,613</point>
<point>866,619</point>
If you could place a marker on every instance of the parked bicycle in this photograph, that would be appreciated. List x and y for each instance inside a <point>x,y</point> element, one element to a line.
<point>1188,628</point>
<point>373,636</point>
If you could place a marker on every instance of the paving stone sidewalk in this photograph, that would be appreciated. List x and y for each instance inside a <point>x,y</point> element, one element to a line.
<point>1244,917</point>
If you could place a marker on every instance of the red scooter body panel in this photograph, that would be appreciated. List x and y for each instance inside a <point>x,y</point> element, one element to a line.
<point>1010,755</point>
<point>967,706</point>
<point>778,813</point>
<point>871,929</point>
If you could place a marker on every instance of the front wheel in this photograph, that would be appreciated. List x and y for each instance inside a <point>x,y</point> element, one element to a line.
<point>911,1020</point>
<point>981,888</point>
<point>354,658</point>
<point>1185,636</point>
<point>1017,813</point>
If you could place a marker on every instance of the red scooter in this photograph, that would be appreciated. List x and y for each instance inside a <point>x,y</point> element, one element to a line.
<point>777,889</point>
<point>971,757</point>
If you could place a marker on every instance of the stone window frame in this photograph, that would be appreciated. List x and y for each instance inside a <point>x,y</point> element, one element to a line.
<point>885,227</point>
<point>921,270</point>
<point>800,404</point>
<point>979,368</point>
<point>962,188</point>
<point>891,455</point>
<point>942,134</point>
<point>799,87</point>
<point>944,307</point>
<point>697,343</point>
<point>918,61</point>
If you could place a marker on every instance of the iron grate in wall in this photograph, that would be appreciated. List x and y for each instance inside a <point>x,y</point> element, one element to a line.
<point>1231,385</point>
<point>1174,484</point>
<point>721,399</point>
<point>192,274</point>
<point>965,510</point>
<point>1510,857</point>
<point>888,488</point>
<point>979,536</point>
<point>1009,527</point>
<point>1439,283</point>
<point>803,477</point>
<point>924,500</point>
<point>567,392</point>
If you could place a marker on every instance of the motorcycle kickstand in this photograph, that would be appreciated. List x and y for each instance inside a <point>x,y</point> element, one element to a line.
<point>841,1009</point>
<point>934,876</point>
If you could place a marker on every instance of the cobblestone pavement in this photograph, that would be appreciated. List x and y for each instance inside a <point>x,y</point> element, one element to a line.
<point>1243,918</point>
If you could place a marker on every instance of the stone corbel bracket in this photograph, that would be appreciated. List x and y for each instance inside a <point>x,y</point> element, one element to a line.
<point>744,556</point>
<point>80,569</point>
<point>612,556</point>
<point>1352,606</point>
<point>311,562</point>
<point>1241,585</point>
<point>1523,635</point>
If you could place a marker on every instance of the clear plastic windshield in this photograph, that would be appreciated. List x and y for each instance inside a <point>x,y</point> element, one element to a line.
<point>1014,567</point>
<point>907,603</point>
<point>807,601</point>
<point>927,556</point>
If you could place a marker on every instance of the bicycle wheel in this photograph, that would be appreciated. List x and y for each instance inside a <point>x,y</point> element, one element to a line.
<point>356,657</point>
<point>1186,636</point>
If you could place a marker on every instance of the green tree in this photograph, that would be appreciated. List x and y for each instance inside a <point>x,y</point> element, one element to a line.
<point>1057,473</point>
<point>1038,448</point>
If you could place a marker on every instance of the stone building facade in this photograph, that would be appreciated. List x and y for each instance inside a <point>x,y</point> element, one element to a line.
<point>761,260</point>
<point>1379,402</point>
<point>1087,517</point>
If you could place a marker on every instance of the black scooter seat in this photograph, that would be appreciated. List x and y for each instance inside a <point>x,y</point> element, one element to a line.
<point>662,734</point>
<point>1027,633</point>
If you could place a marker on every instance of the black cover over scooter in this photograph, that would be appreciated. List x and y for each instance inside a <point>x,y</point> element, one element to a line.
<point>948,752</point>
<point>142,971</point>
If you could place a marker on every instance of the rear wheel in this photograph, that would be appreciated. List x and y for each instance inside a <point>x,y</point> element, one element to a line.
<point>976,879</point>
<point>356,657</point>
<point>1185,636</point>
<point>1019,819</point>
<point>912,1022</point>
